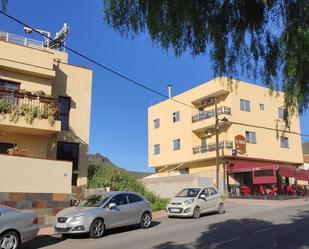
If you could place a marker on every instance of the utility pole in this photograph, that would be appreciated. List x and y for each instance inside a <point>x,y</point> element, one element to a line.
<point>217,144</point>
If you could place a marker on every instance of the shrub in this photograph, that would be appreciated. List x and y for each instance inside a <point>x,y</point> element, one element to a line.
<point>118,180</point>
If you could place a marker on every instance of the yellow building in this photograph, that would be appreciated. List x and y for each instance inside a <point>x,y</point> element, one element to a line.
<point>45,107</point>
<point>254,140</point>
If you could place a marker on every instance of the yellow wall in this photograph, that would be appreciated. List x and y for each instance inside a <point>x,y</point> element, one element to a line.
<point>229,92</point>
<point>47,70</point>
<point>32,175</point>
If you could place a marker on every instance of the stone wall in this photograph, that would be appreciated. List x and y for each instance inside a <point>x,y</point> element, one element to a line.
<point>46,205</point>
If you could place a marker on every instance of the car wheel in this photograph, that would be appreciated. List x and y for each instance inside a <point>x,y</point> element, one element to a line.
<point>221,209</point>
<point>97,229</point>
<point>145,220</point>
<point>196,213</point>
<point>9,240</point>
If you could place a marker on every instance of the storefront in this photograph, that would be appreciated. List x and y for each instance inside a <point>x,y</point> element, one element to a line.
<point>246,177</point>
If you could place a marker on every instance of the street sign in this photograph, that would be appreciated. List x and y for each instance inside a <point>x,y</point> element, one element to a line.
<point>240,144</point>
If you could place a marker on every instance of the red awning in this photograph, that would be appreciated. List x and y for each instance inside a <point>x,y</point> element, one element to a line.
<point>300,174</point>
<point>234,166</point>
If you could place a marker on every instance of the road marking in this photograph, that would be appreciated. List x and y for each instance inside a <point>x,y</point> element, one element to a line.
<point>227,241</point>
<point>262,230</point>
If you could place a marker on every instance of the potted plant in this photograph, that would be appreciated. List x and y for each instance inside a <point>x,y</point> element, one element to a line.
<point>17,150</point>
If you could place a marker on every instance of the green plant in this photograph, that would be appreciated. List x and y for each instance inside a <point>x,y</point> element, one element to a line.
<point>51,112</point>
<point>15,114</point>
<point>119,180</point>
<point>5,107</point>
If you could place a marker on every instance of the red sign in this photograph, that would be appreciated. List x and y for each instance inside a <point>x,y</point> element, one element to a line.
<point>240,144</point>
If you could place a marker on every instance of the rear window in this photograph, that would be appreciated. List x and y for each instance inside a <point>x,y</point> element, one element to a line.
<point>134,198</point>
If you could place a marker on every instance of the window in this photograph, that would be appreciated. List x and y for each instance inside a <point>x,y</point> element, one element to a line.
<point>65,106</point>
<point>281,112</point>
<point>265,172</point>
<point>74,179</point>
<point>156,149</point>
<point>245,105</point>
<point>184,171</point>
<point>119,200</point>
<point>176,144</point>
<point>68,152</point>
<point>284,142</point>
<point>176,117</point>
<point>213,191</point>
<point>262,107</point>
<point>156,123</point>
<point>134,198</point>
<point>251,137</point>
<point>4,147</point>
<point>204,192</point>
<point>9,85</point>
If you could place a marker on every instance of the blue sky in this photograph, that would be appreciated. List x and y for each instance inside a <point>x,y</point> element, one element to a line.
<point>119,109</point>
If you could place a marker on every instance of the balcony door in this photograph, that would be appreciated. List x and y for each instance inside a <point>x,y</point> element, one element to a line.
<point>69,152</point>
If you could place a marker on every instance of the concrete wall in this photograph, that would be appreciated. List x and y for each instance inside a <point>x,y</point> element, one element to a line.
<point>169,186</point>
<point>31,175</point>
<point>76,82</point>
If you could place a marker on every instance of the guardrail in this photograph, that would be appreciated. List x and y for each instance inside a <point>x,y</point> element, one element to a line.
<point>212,147</point>
<point>20,40</point>
<point>28,99</point>
<point>211,113</point>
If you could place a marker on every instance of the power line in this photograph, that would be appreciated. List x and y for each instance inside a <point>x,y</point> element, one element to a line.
<point>98,63</point>
<point>108,68</point>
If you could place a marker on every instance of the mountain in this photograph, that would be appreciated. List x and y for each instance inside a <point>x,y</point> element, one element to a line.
<point>97,160</point>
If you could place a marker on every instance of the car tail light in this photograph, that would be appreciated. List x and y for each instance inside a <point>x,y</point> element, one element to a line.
<point>35,221</point>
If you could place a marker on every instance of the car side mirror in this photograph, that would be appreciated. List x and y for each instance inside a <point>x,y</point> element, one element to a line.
<point>112,205</point>
<point>203,196</point>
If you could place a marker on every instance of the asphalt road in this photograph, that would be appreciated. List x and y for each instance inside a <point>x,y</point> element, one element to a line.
<point>240,227</point>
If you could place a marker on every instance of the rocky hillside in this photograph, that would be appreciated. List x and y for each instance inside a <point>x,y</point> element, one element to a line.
<point>97,160</point>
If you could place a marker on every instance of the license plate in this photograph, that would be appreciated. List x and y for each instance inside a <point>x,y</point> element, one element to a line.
<point>175,210</point>
<point>61,225</point>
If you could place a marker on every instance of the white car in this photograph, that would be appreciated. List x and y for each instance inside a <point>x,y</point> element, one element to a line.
<point>192,202</point>
<point>16,227</point>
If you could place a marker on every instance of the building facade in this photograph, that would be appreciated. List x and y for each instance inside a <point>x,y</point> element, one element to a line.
<point>45,105</point>
<point>254,140</point>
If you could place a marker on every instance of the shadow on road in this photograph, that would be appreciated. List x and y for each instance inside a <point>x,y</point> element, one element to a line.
<point>41,242</point>
<point>250,233</point>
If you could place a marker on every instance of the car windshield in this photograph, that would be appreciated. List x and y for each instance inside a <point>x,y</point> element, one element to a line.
<point>93,201</point>
<point>188,192</point>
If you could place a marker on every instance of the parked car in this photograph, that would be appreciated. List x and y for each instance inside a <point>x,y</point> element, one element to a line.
<point>16,227</point>
<point>103,211</point>
<point>192,202</point>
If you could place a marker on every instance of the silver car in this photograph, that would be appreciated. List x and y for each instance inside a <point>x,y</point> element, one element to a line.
<point>192,202</point>
<point>102,211</point>
<point>16,227</point>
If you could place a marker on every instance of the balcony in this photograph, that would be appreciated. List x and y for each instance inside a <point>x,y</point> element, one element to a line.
<point>26,112</point>
<point>211,113</point>
<point>212,147</point>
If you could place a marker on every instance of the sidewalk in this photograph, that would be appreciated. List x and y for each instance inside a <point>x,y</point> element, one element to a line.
<point>279,203</point>
<point>50,230</point>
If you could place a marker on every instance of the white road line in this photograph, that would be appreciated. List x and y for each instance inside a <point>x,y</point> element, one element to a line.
<point>262,230</point>
<point>227,241</point>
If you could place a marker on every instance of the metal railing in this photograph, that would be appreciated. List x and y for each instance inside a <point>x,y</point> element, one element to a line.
<point>211,113</point>
<point>212,147</point>
<point>20,40</point>
<point>27,99</point>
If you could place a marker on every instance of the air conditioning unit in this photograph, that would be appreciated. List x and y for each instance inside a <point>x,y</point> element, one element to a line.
<point>209,132</point>
<point>209,101</point>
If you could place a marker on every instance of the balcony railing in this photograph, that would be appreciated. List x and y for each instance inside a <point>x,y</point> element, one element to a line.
<point>17,39</point>
<point>211,113</point>
<point>212,147</point>
<point>44,106</point>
